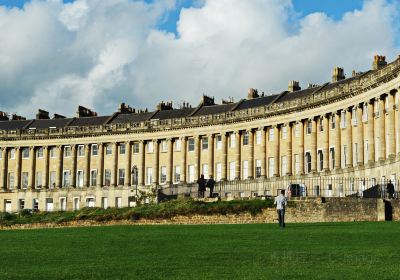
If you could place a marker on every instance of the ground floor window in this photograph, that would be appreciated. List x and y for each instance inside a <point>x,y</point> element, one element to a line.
<point>63,203</point>
<point>104,202</point>
<point>21,204</point>
<point>90,202</point>
<point>232,170</point>
<point>219,172</point>
<point>118,202</point>
<point>76,203</point>
<point>258,168</point>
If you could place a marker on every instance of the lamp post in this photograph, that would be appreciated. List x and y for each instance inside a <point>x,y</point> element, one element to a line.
<point>134,173</point>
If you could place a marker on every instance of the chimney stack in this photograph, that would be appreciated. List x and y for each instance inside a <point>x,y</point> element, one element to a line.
<point>42,115</point>
<point>379,62</point>
<point>125,108</point>
<point>85,112</point>
<point>293,86</point>
<point>207,100</point>
<point>338,74</point>
<point>252,93</point>
<point>15,117</point>
<point>58,116</point>
<point>162,106</point>
<point>3,116</point>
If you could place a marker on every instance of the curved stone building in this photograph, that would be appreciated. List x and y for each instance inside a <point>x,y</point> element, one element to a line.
<point>346,128</point>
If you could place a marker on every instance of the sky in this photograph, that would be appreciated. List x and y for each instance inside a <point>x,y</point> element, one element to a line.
<point>56,55</point>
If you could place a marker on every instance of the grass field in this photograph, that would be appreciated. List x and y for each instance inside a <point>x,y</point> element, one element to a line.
<point>301,251</point>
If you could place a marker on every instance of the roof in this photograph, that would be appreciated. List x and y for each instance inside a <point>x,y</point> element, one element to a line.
<point>175,113</point>
<point>53,123</point>
<point>256,102</point>
<point>132,117</point>
<point>215,109</point>
<point>13,125</point>
<point>83,121</point>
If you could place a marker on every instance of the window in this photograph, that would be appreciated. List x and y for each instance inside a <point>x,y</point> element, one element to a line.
<point>79,178</point>
<point>191,174</point>
<point>245,170</point>
<point>297,164</point>
<point>63,203</point>
<point>271,134</point>
<point>219,142</point>
<point>93,177</point>
<point>76,203</point>
<point>108,149</point>
<point>39,152</point>
<point>118,202</point>
<point>67,151</point>
<point>163,177</point>
<point>135,148</point>
<point>219,171</point>
<point>309,127</point>
<point>342,119</point>
<point>121,176</point>
<point>104,202</point>
<point>10,180</point>
<point>232,170</point>
<point>365,112</point>
<point>122,148</point>
<point>35,204</point>
<point>271,167</point>
<point>320,160</point>
<point>12,153</point>
<point>21,204</point>
<point>366,151</point>
<point>321,125</point>
<point>150,146</point>
<point>52,179</point>
<point>204,143</point>
<point>245,138</point>
<point>297,130</point>
<point>95,150</point>
<point>354,116</point>
<point>164,146</point>
<point>149,176</point>
<point>204,169</point>
<point>25,153</point>
<point>258,168</point>
<point>232,142</point>
<point>81,150</point>
<point>107,177</point>
<point>333,121</point>
<point>308,162</point>
<point>53,152</point>
<point>191,144</point>
<point>177,145</point>
<point>90,202</point>
<point>38,179</point>
<point>177,174</point>
<point>283,166</point>
<point>66,178</point>
<point>332,157</point>
<point>284,132</point>
<point>24,179</point>
<point>258,137</point>
<point>344,155</point>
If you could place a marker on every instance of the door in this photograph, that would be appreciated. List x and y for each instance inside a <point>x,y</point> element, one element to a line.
<point>49,205</point>
<point>7,205</point>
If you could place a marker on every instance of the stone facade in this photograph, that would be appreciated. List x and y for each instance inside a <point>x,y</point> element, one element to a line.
<point>347,128</point>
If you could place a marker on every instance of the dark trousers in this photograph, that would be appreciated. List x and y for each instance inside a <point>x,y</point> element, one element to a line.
<point>281,217</point>
<point>211,192</point>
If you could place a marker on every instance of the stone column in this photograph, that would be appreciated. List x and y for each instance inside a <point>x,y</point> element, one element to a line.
<point>301,146</point>
<point>32,163</point>
<point>338,144</point>
<point>224,156</point>
<point>86,177</point>
<point>73,171</point>
<point>4,164</point>
<point>114,170</point>
<point>289,169</point>
<point>18,167</point>
<point>371,135</point>
<point>211,155</point>
<point>360,136</point>
<point>313,145</point>
<point>391,127</point>
<point>60,155</point>
<point>128,155</point>
<point>197,157</point>
<point>251,156</point>
<point>263,155</point>
<point>46,167</point>
<point>170,165</point>
<point>142,167</point>
<point>156,163</point>
<point>277,138</point>
<point>382,132</point>
<point>101,165</point>
<point>349,137</point>
<point>237,155</point>
<point>183,159</point>
<point>325,149</point>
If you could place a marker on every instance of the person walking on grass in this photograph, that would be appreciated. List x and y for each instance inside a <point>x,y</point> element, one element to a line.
<point>202,186</point>
<point>281,202</point>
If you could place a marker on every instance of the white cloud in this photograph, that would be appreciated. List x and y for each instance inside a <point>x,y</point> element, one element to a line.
<point>100,53</point>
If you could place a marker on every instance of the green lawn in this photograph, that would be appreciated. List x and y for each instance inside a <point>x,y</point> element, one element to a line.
<point>301,251</point>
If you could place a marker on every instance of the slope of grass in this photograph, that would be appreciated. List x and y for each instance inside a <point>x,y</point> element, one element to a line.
<point>301,251</point>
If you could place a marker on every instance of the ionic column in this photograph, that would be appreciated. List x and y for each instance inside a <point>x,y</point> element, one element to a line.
<point>224,147</point>
<point>73,171</point>
<point>289,169</point>
<point>156,163</point>
<point>18,167</point>
<point>338,144</point>
<point>391,128</point>
<point>349,131</point>
<point>325,149</point>
<point>183,159</point>
<point>277,138</point>
<point>114,171</point>
<point>141,175</point>
<point>170,165</point>
<point>313,145</point>
<point>237,155</point>
<point>32,161</point>
<point>101,165</point>
<point>301,146</point>
<point>60,155</point>
<point>263,155</point>
<point>46,167</point>
<point>250,134</point>
<point>128,154</point>
<point>382,132</point>
<point>370,134</point>
<point>360,136</point>
<point>197,157</point>
<point>4,171</point>
<point>86,177</point>
<point>211,155</point>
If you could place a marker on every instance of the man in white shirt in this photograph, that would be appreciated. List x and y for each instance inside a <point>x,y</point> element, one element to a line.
<point>281,202</point>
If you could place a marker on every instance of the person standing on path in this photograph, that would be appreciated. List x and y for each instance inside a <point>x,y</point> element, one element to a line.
<point>281,202</point>
<point>202,186</point>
